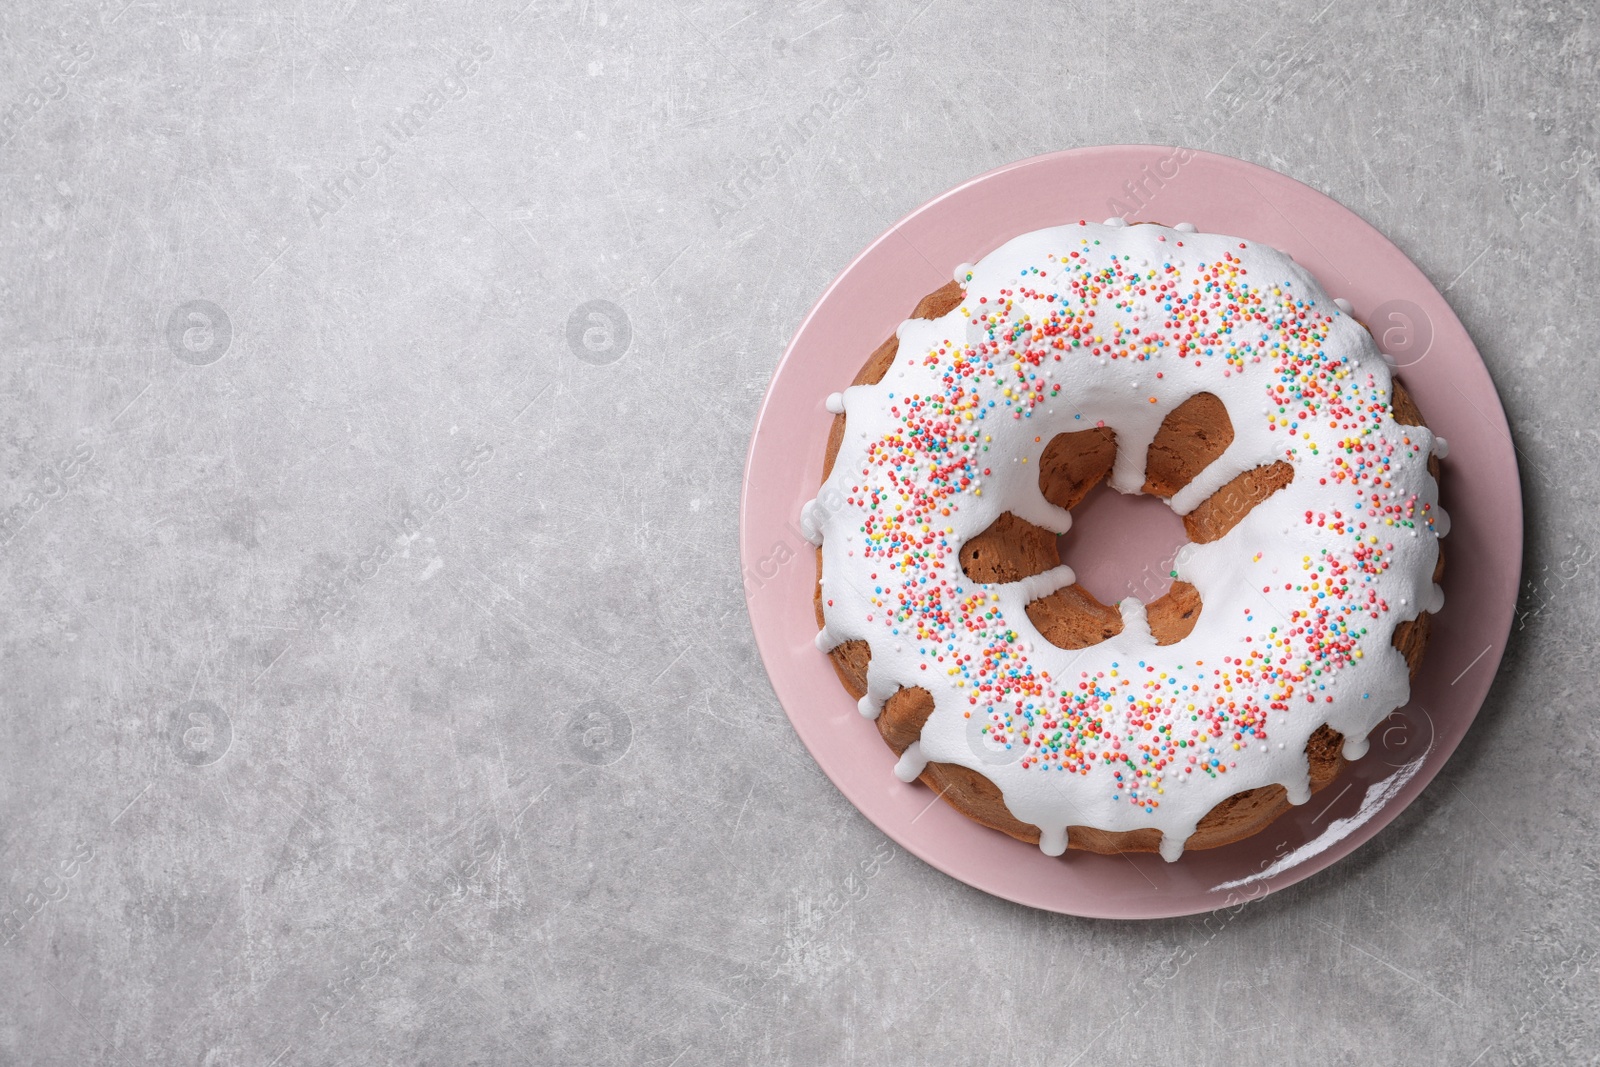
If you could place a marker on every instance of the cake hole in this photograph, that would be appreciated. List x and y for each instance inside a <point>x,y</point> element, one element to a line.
<point>1010,550</point>
<point>1122,545</point>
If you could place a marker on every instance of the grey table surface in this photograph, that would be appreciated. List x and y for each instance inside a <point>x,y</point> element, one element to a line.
<point>377,680</point>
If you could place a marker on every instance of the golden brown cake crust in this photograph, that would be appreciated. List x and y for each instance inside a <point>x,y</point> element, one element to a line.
<point>1190,438</point>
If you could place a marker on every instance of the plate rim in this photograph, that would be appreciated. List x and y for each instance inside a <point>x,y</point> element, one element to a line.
<point>1391,807</point>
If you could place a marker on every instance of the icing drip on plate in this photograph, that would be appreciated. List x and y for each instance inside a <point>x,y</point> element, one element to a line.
<point>1075,327</point>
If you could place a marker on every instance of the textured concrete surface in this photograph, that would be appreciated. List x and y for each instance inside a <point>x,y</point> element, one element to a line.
<point>377,683</point>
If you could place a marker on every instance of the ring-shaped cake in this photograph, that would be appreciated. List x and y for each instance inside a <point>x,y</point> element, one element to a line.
<point>1210,371</point>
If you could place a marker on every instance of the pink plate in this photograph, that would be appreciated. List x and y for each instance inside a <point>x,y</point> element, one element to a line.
<point>1414,326</point>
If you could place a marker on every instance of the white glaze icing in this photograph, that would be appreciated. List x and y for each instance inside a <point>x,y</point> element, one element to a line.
<point>809,527</point>
<point>1065,328</point>
<point>912,763</point>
